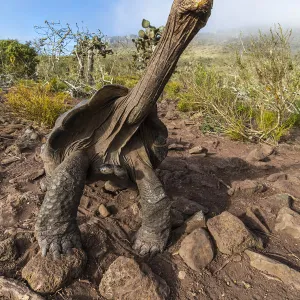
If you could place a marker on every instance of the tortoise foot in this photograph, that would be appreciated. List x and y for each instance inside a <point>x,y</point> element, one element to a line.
<point>58,240</point>
<point>150,242</point>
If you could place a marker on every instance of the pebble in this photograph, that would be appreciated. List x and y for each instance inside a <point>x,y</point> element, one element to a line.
<point>199,150</point>
<point>104,211</point>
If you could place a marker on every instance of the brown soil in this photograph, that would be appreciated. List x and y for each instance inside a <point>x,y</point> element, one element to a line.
<point>202,179</point>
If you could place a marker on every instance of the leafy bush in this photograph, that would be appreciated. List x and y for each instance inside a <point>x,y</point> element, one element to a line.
<point>16,59</point>
<point>56,85</point>
<point>128,81</point>
<point>259,103</point>
<point>36,102</point>
<point>172,90</point>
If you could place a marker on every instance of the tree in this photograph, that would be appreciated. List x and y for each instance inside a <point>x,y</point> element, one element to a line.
<point>17,60</point>
<point>60,41</point>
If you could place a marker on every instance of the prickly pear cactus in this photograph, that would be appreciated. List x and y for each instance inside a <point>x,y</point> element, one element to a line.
<point>146,43</point>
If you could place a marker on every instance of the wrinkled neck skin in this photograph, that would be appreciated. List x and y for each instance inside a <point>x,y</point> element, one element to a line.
<point>186,18</point>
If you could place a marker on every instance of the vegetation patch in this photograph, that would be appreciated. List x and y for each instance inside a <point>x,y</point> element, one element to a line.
<point>259,101</point>
<point>37,102</point>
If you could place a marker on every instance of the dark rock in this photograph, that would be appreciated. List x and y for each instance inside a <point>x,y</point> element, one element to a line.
<point>196,249</point>
<point>126,280</point>
<point>230,234</point>
<point>177,218</point>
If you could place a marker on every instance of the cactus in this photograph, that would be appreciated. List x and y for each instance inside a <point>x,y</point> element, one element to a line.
<point>146,43</point>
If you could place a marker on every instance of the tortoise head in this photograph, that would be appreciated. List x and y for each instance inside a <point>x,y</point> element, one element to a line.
<point>194,6</point>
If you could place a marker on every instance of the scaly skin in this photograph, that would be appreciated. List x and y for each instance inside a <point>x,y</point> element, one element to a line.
<point>56,226</point>
<point>153,235</point>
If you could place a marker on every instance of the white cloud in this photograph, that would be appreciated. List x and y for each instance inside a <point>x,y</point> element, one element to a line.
<point>226,14</point>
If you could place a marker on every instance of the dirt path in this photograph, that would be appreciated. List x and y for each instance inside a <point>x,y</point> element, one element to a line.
<point>202,179</point>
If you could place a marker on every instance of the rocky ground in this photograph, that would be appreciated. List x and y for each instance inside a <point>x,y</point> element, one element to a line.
<point>235,216</point>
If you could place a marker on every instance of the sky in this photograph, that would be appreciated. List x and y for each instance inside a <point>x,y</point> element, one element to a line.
<point>123,17</point>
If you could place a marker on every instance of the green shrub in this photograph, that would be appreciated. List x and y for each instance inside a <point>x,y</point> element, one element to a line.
<point>172,90</point>
<point>128,81</point>
<point>36,102</point>
<point>56,85</point>
<point>260,102</point>
<point>17,60</point>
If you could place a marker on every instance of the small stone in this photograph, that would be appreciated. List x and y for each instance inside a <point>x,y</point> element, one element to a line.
<point>9,160</point>
<point>195,222</point>
<point>288,222</point>
<point>199,150</point>
<point>15,290</point>
<point>181,275</point>
<point>126,279</point>
<point>260,154</point>
<point>135,209</point>
<point>28,131</point>
<point>187,207</point>
<point>189,123</point>
<point>176,147</point>
<point>246,188</point>
<point>104,211</point>
<point>34,136</point>
<point>277,176</point>
<point>196,249</point>
<point>45,275</point>
<point>275,269</point>
<point>230,234</point>
<point>110,187</point>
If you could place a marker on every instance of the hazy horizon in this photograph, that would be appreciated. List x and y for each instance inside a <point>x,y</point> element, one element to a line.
<point>123,17</point>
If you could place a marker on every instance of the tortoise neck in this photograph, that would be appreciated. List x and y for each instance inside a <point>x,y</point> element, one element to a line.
<point>179,31</point>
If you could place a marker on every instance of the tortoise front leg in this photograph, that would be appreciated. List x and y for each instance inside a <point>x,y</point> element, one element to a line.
<point>56,227</point>
<point>153,235</point>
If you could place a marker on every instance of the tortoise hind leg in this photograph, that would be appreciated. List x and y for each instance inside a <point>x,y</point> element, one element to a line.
<point>56,227</point>
<point>153,235</point>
